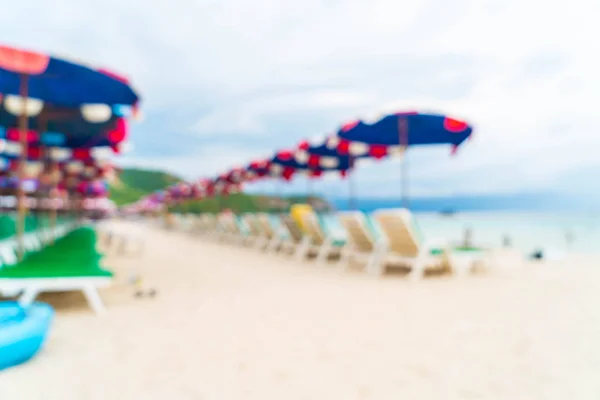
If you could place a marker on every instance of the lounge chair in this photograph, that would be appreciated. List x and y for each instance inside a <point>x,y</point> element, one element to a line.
<point>272,235</point>
<point>328,245</point>
<point>364,243</point>
<point>256,236</point>
<point>231,228</point>
<point>403,244</point>
<point>71,264</point>
<point>296,242</point>
<point>210,225</point>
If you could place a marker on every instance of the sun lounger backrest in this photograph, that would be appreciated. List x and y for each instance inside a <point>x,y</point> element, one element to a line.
<point>359,234</point>
<point>297,212</point>
<point>8,255</point>
<point>293,229</point>
<point>313,228</point>
<point>265,223</point>
<point>252,224</point>
<point>228,222</point>
<point>399,228</point>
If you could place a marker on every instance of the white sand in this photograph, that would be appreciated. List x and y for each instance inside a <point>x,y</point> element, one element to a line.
<point>231,323</point>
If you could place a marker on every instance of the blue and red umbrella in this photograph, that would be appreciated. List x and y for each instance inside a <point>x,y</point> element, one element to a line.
<point>84,126</point>
<point>29,80</point>
<point>61,82</point>
<point>394,132</point>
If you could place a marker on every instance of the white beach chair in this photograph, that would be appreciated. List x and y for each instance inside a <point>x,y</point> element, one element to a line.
<point>328,245</point>
<point>272,235</point>
<point>296,242</point>
<point>211,226</point>
<point>402,244</point>
<point>233,232</point>
<point>363,243</point>
<point>256,236</point>
<point>203,225</point>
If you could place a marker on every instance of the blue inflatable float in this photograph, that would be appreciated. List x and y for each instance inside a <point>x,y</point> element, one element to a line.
<point>23,331</point>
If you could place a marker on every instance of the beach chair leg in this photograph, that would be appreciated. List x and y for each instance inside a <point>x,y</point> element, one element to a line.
<point>375,265</point>
<point>324,251</point>
<point>273,244</point>
<point>302,248</point>
<point>257,242</point>
<point>417,269</point>
<point>345,258</point>
<point>28,297</point>
<point>93,298</point>
<point>376,262</point>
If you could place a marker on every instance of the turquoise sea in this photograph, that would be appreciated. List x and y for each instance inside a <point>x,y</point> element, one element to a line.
<point>528,227</point>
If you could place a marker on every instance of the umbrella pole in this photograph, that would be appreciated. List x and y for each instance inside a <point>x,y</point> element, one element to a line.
<point>404,180</point>
<point>309,188</point>
<point>403,141</point>
<point>351,191</point>
<point>23,128</point>
<point>53,212</point>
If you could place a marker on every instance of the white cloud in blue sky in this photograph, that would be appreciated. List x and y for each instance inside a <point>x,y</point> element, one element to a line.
<point>229,80</point>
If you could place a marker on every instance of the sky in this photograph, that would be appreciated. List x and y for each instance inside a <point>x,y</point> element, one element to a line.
<point>227,81</point>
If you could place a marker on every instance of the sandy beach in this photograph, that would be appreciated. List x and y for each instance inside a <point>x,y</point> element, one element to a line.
<point>234,323</point>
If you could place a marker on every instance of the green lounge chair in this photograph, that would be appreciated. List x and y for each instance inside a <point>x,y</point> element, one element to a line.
<point>56,269</point>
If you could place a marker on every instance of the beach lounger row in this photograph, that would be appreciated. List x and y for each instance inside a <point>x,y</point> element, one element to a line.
<point>377,242</point>
<point>58,260</point>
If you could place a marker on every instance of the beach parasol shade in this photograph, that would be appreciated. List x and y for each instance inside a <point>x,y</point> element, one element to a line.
<point>86,125</point>
<point>392,133</point>
<point>235,175</point>
<point>27,75</point>
<point>257,169</point>
<point>179,191</point>
<point>61,82</point>
<point>66,173</point>
<point>93,189</point>
<point>14,150</point>
<point>287,163</point>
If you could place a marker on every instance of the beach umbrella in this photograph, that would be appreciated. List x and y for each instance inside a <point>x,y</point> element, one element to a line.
<point>32,79</point>
<point>93,189</point>
<point>60,82</point>
<point>319,157</point>
<point>49,125</point>
<point>392,134</point>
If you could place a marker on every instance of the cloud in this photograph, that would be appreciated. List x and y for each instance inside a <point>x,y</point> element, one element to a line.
<point>251,117</point>
<point>232,78</point>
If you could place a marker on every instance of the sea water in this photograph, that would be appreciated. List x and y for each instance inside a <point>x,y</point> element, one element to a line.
<point>525,231</point>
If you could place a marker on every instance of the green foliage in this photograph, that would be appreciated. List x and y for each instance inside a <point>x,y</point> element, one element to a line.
<point>242,203</point>
<point>134,183</point>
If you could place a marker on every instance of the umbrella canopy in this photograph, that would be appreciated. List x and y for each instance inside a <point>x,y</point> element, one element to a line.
<point>392,133</point>
<point>257,169</point>
<point>310,159</point>
<point>84,126</point>
<point>179,191</point>
<point>93,189</point>
<point>35,167</point>
<point>87,188</point>
<point>61,82</point>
